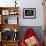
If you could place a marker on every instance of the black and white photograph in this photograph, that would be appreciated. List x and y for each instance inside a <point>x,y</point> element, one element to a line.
<point>29,13</point>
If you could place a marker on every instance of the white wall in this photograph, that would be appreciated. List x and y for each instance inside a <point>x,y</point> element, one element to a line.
<point>39,12</point>
<point>7,3</point>
<point>27,4</point>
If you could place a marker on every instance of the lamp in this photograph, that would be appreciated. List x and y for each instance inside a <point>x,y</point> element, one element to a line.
<point>15,3</point>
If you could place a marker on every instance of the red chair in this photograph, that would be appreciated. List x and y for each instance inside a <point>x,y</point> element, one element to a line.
<point>29,33</point>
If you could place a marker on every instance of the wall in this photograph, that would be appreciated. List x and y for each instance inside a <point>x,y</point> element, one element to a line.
<point>39,13</point>
<point>45,21</point>
<point>36,29</point>
<point>7,3</point>
<point>27,4</point>
<point>45,13</point>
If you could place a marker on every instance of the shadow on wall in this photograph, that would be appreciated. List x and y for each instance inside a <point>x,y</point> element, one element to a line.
<point>37,29</point>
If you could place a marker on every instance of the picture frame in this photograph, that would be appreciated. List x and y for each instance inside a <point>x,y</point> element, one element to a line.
<point>29,13</point>
<point>13,12</point>
<point>5,12</point>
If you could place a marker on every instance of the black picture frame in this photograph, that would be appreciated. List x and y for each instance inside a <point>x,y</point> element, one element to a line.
<point>29,13</point>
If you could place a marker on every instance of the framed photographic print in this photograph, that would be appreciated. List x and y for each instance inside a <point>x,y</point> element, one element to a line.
<point>29,13</point>
<point>5,12</point>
